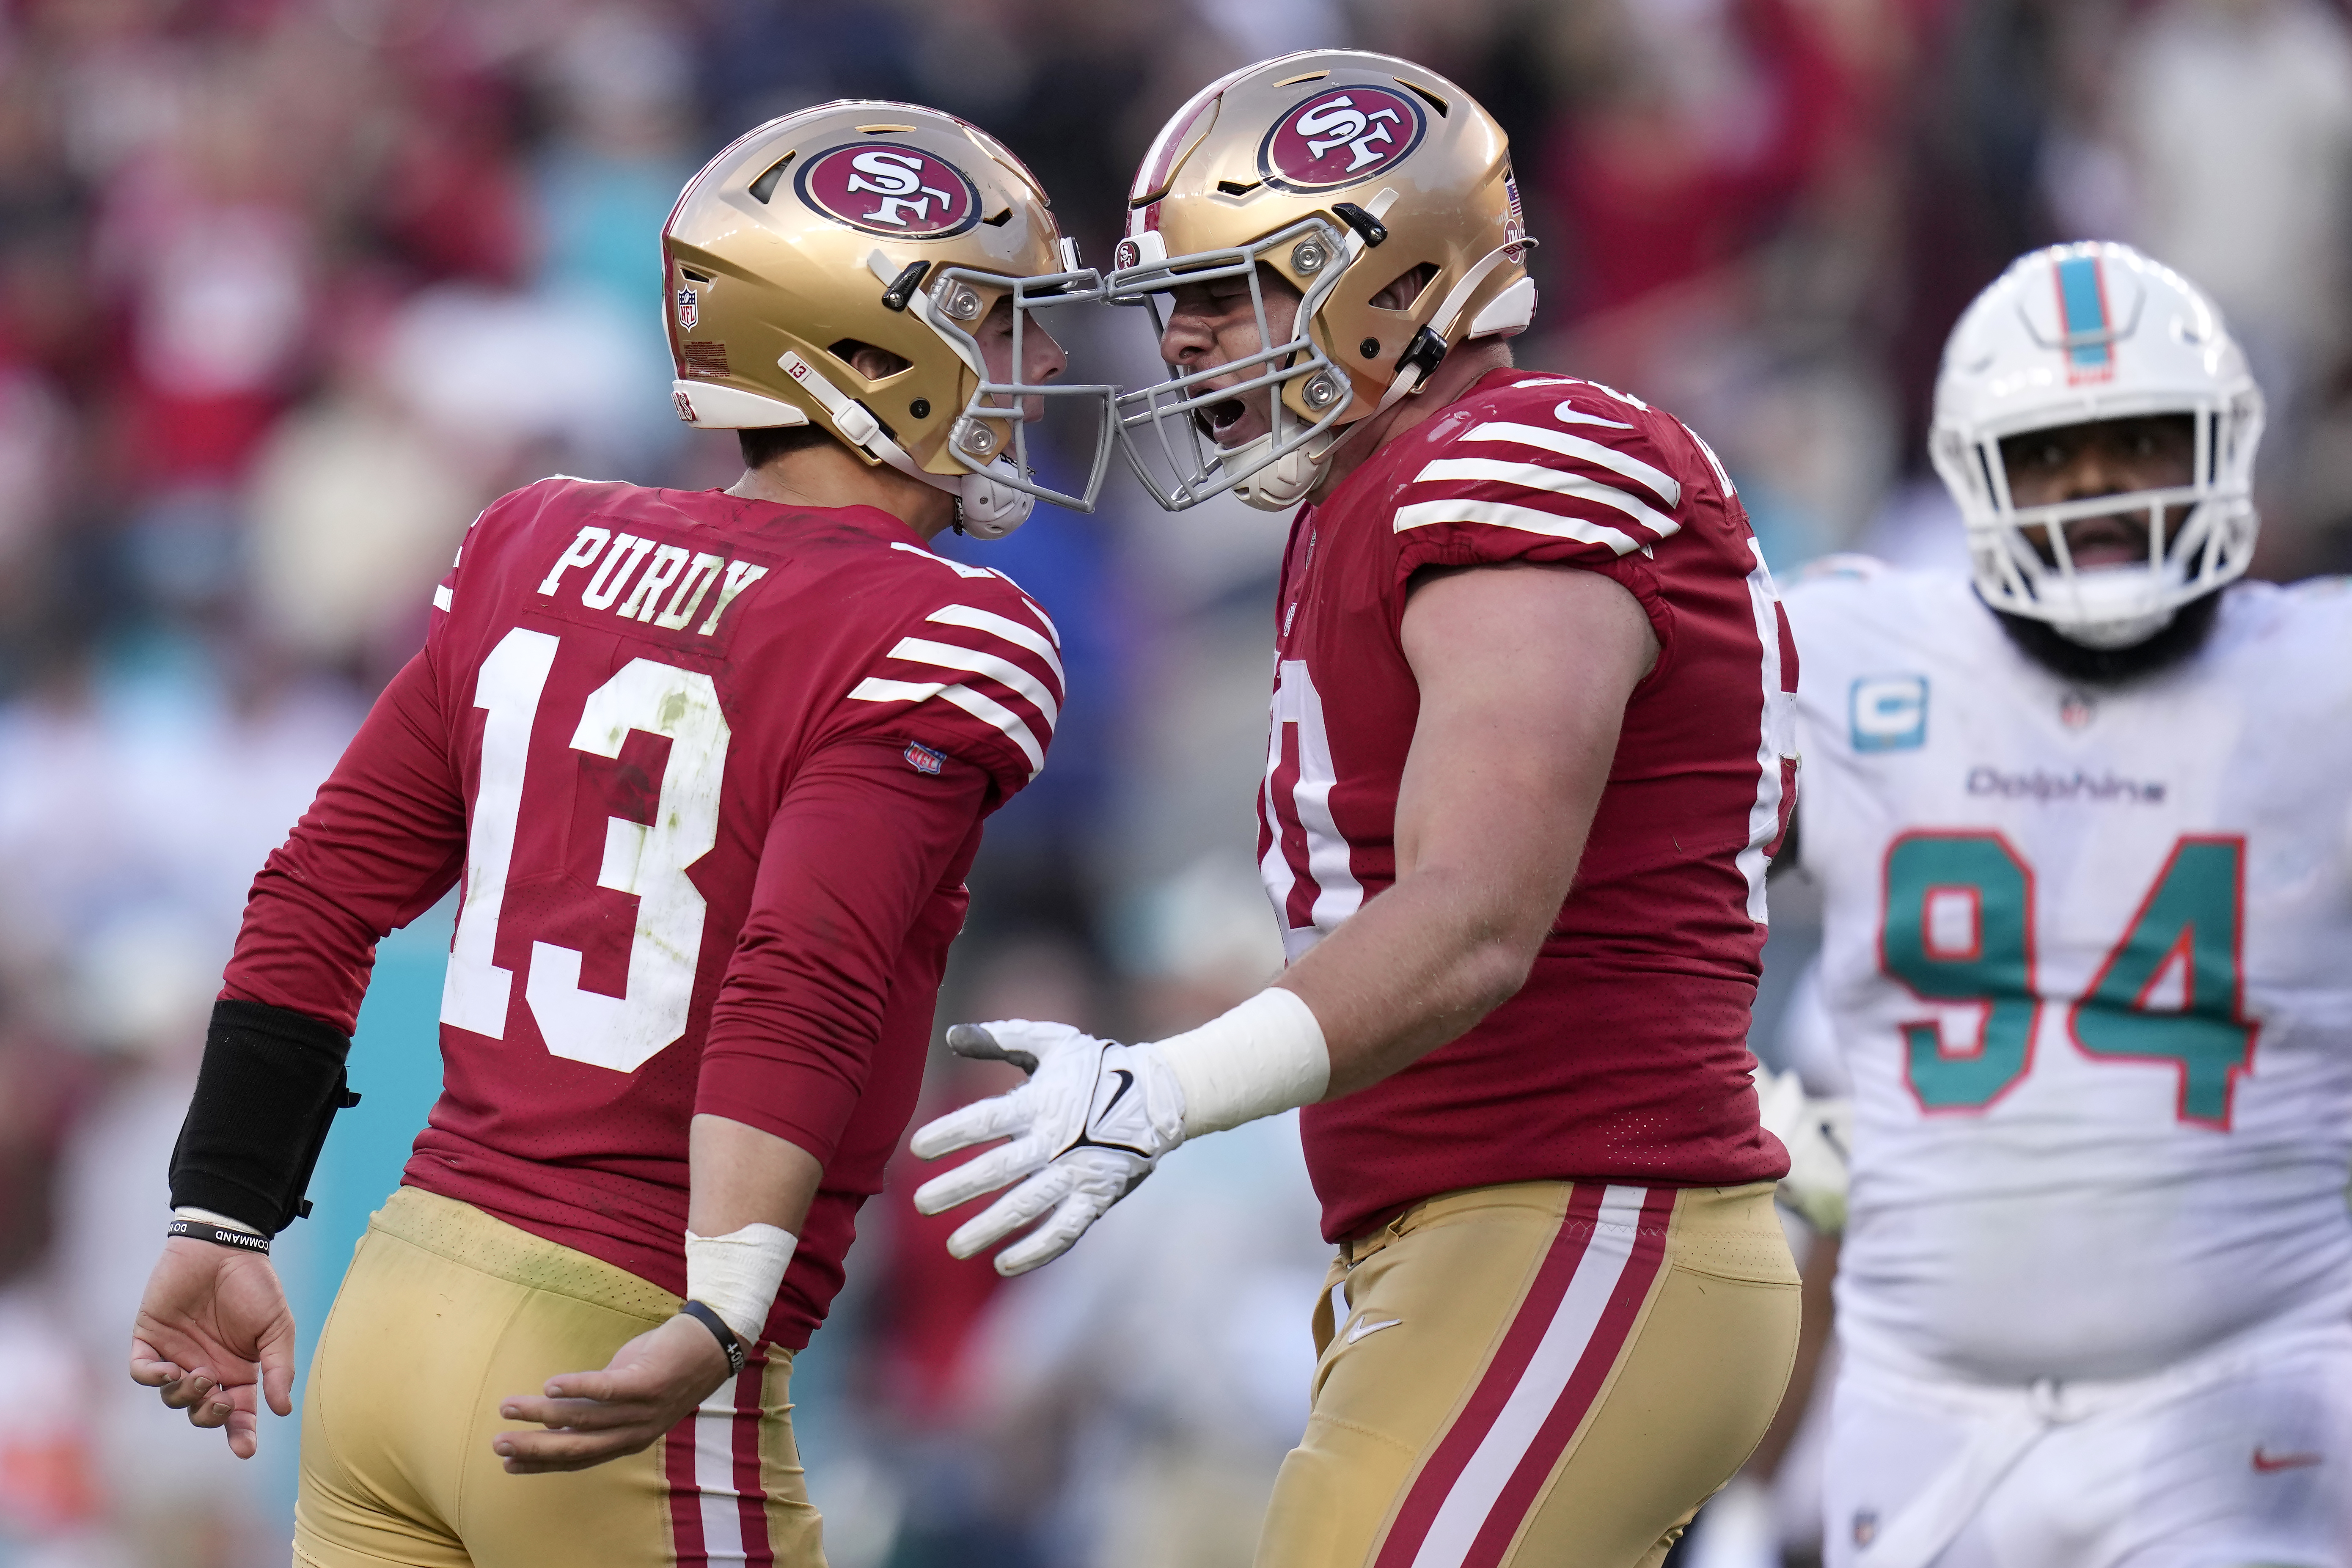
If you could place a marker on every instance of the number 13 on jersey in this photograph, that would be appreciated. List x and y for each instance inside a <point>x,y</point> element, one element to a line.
<point>1959,930</point>
<point>650,860</point>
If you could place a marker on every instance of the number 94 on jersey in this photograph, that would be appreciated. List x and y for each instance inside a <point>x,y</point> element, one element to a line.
<point>1960,931</point>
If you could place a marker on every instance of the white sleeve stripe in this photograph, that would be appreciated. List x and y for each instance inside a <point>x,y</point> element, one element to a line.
<point>958,567</point>
<point>1664,486</point>
<point>1712,462</point>
<point>1011,630</point>
<point>442,598</point>
<point>1038,610</point>
<point>950,656</point>
<point>1552,481</point>
<point>1527,519</point>
<point>872,689</point>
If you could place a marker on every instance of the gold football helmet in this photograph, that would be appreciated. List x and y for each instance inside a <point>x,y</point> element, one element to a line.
<point>1341,172</point>
<point>884,224</point>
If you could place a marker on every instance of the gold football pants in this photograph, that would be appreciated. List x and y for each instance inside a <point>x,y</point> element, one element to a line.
<point>445,1312</point>
<point>1544,1373</point>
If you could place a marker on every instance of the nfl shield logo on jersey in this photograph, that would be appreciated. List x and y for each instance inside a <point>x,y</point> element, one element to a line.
<point>688,311</point>
<point>1889,713</point>
<point>922,759</point>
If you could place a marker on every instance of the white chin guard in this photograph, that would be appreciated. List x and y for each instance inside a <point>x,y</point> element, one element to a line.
<point>989,509</point>
<point>1283,483</point>
<point>2110,610</point>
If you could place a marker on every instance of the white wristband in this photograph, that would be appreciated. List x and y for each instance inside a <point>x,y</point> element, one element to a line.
<point>1266,1056</point>
<point>206,1217</point>
<point>736,1275</point>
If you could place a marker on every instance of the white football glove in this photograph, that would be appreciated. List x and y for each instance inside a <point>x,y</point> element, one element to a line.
<point>1818,1134</point>
<point>1091,1123</point>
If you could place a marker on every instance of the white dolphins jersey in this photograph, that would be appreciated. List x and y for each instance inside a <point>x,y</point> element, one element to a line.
<point>2088,956</point>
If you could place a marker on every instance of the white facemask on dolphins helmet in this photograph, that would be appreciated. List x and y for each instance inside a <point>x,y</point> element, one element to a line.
<point>2072,334</point>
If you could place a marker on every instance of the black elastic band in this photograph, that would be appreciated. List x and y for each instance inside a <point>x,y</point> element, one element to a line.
<point>219,1235</point>
<point>710,1319</point>
<point>902,288</point>
<point>1363,222</point>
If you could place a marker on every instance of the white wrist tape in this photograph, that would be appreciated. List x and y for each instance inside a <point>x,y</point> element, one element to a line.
<point>206,1217</point>
<point>1266,1056</point>
<point>736,1275</point>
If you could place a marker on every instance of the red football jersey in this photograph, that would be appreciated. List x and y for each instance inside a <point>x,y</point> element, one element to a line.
<point>1625,1056</point>
<point>712,770</point>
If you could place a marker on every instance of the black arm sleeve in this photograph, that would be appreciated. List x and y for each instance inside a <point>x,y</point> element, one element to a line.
<point>268,1088</point>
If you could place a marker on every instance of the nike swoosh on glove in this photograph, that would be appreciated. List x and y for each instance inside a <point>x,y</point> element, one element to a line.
<point>1091,1123</point>
<point>1818,1134</point>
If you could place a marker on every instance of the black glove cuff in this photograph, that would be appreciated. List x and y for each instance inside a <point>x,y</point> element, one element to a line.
<point>269,1088</point>
<point>710,1319</point>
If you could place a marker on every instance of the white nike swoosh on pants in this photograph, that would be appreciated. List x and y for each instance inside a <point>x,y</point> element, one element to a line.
<point>1362,1329</point>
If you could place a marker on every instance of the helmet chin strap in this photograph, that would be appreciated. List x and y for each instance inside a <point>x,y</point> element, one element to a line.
<point>1441,322</point>
<point>984,509</point>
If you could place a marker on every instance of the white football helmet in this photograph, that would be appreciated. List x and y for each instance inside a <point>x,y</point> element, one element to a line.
<point>2076,333</point>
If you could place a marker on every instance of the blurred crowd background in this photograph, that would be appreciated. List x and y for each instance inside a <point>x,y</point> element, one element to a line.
<point>288,289</point>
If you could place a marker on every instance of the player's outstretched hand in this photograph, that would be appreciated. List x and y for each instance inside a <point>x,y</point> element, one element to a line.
<point>213,1329</point>
<point>1091,1123</point>
<point>652,1383</point>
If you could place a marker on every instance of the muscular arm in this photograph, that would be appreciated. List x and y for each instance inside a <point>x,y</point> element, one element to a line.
<point>1524,674</point>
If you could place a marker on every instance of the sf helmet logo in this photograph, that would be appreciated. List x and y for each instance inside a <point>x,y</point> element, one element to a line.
<point>1340,137</point>
<point>890,190</point>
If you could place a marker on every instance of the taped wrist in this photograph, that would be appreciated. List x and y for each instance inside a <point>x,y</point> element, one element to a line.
<point>738,1275</point>
<point>269,1086</point>
<point>1266,1056</point>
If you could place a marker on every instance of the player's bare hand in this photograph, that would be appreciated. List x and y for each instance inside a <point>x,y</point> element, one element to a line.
<point>652,1383</point>
<point>214,1336</point>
